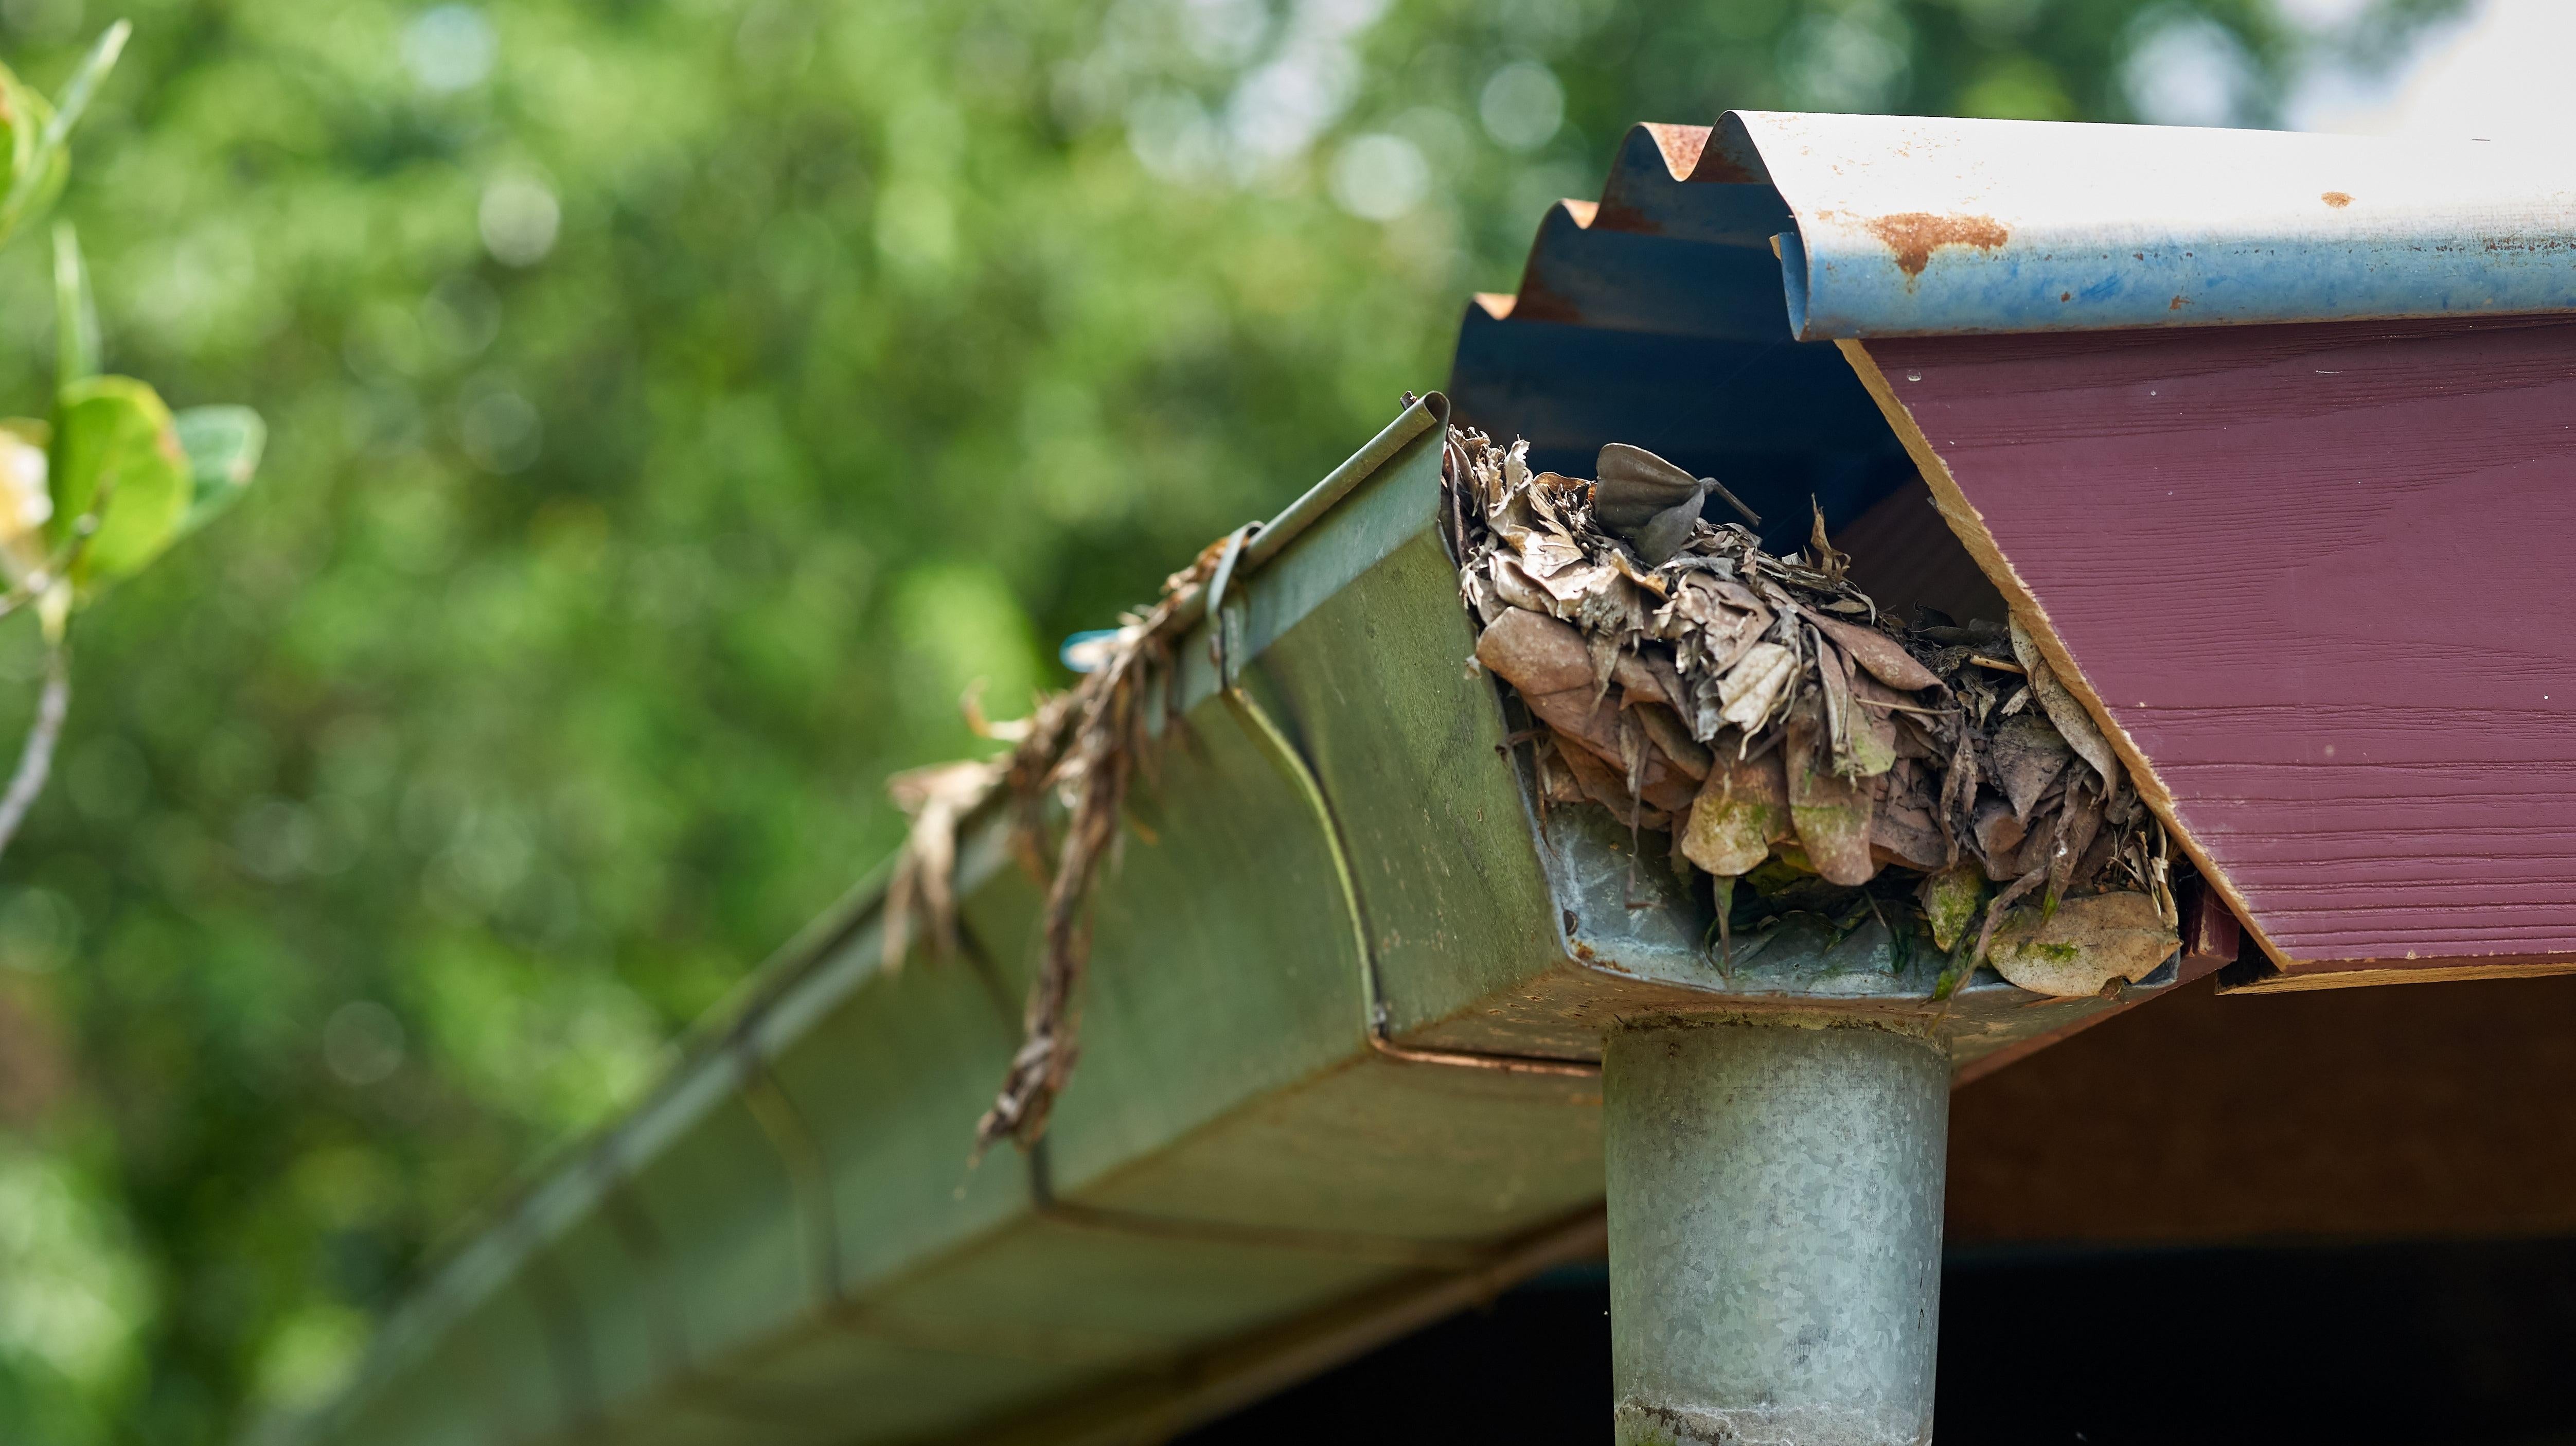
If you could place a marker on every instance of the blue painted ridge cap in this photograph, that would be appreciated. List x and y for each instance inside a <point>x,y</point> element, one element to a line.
<point>1918,227</point>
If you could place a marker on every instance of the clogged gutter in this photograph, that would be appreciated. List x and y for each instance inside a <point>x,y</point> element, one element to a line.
<point>1757,711</point>
<point>1791,742</point>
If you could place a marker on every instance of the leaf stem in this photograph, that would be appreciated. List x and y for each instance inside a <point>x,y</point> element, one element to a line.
<point>36,759</point>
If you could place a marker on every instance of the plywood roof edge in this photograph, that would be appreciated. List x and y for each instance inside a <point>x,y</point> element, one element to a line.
<point>1969,525</point>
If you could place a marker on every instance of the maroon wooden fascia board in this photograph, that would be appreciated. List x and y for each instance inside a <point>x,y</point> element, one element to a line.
<point>2321,575</point>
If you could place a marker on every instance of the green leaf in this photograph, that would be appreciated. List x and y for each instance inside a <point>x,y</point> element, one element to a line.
<point>34,174</point>
<point>85,81</point>
<point>75,311</point>
<point>223,445</point>
<point>115,449</point>
<point>36,131</point>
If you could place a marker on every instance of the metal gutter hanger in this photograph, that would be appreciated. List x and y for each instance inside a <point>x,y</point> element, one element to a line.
<point>1910,227</point>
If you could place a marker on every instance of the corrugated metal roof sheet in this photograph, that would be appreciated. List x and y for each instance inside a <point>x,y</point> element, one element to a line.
<point>1655,316</point>
<point>1899,226</point>
<point>1691,310</point>
<point>1919,227</point>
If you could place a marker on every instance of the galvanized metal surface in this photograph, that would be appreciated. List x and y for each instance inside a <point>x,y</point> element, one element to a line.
<point>1911,227</point>
<point>1775,1233</point>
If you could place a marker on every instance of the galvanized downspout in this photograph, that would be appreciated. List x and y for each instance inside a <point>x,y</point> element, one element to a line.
<point>1775,1198</point>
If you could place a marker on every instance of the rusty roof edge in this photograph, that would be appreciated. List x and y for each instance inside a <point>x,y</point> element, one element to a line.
<point>1908,226</point>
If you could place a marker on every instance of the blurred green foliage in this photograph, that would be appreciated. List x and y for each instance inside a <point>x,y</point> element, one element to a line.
<point>676,403</point>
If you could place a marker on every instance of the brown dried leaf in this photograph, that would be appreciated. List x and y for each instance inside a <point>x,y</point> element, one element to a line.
<point>1536,654</point>
<point>2027,756</point>
<point>937,799</point>
<point>1665,729</point>
<point>1753,686</point>
<point>1998,836</point>
<point>1902,832</point>
<point>2076,828</point>
<point>1639,680</point>
<point>2081,733</point>
<point>1744,597</point>
<point>1653,777</point>
<point>2086,876</point>
<point>1549,663</point>
<point>1884,657</point>
<point>1832,813</point>
<point>1647,576</point>
<point>1599,781</point>
<point>1827,561</point>
<point>1668,680</point>
<point>2084,945</point>
<point>1742,632</point>
<point>2046,822</point>
<point>1833,680</point>
<point>1950,898</point>
<point>1551,666</point>
<point>1914,739</point>
<point>1544,554</point>
<point>1556,780</point>
<point>1959,789</point>
<point>1873,724</point>
<point>1651,505</point>
<point>1614,607</point>
<point>1515,589</point>
<point>1571,585</point>
<point>1741,811</point>
<point>1605,652</point>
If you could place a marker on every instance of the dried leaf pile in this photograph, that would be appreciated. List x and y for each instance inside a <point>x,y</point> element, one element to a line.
<point>1798,747</point>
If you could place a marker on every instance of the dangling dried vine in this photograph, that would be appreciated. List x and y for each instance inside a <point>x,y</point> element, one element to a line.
<point>1080,749</point>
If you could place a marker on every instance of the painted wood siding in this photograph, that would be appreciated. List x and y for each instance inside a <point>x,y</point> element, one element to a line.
<point>2320,576</point>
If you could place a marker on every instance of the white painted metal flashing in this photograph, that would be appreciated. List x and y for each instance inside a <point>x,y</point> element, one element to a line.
<point>1921,227</point>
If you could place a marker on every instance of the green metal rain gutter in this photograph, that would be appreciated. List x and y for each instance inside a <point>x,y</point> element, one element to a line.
<point>1340,1075</point>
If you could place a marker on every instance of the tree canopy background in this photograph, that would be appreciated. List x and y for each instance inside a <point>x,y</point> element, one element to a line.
<point>676,404</point>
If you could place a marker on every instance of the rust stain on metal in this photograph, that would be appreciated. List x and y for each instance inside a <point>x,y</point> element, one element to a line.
<point>2523,243</point>
<point>1915,235</point>
<point>2179,303</point>
<point>1539,302</point>
<point>1619,216</point>
<point>1716,165</point>
<point>1681,146</point>
<point>2337,199</point>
